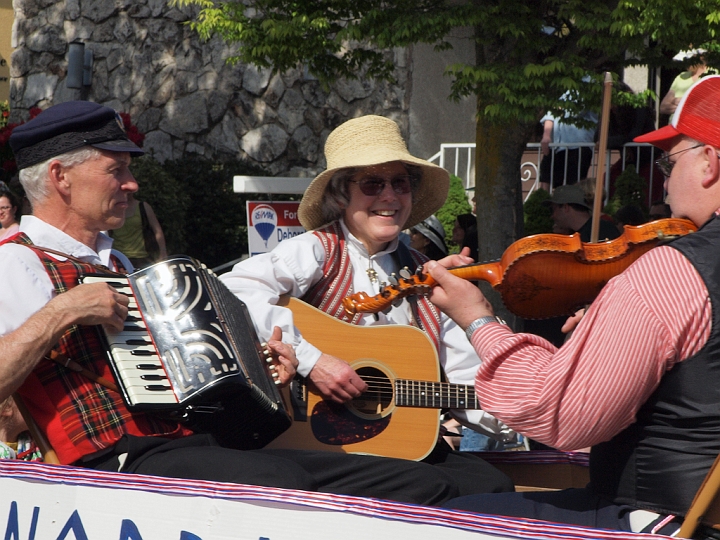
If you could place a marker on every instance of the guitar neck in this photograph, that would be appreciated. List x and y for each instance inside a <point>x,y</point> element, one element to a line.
<point>436,395</point>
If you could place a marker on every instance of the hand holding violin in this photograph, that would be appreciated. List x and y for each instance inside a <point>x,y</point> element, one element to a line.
<point>458,298</point>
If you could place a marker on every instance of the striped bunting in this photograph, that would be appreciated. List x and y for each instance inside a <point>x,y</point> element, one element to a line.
<point>483,524</point>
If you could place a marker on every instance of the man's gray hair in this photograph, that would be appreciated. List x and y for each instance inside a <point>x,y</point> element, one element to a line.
<point>34,179</point>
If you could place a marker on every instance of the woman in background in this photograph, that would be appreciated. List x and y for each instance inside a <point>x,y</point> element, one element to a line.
<point>428,237</point>
<point>140,238</point>
<point>465,233</point>
<point>8,212</point>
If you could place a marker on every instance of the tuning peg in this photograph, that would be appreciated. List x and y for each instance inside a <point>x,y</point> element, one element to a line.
<point>397,301</point>
<point>419,272</point>
<point>422,290</point>
<point>392,278</point>
<point>405,273</point>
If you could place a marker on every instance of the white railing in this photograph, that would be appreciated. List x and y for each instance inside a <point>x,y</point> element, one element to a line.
<point>459,159</point>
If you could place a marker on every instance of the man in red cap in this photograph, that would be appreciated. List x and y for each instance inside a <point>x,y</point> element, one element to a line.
<point>639,380</point>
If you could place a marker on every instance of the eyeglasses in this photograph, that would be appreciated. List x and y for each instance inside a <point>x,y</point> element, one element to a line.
<point>666,166</point>
<point>5,208</point>
<point>372,186</point>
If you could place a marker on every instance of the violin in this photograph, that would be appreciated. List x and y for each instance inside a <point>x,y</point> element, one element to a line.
<point>539,276</point>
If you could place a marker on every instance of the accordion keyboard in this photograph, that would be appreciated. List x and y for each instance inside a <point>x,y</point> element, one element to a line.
<point>135,357</point>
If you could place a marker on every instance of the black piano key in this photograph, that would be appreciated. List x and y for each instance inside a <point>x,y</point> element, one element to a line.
<point>141,352</point>
<point>138,342</point>
<point>147,367</point>
<point>153,377</point>
<point>157,387</point>
<point>134,329</point>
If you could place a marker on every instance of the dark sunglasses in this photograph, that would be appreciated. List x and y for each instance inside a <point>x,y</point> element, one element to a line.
<point>372,186</point>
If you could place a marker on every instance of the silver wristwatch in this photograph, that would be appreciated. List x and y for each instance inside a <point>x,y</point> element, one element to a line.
<point>477,323</point>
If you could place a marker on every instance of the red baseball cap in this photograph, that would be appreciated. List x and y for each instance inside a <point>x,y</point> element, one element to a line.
<point>697,117</point>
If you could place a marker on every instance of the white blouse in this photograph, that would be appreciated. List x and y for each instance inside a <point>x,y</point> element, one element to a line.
<point>296,264</point>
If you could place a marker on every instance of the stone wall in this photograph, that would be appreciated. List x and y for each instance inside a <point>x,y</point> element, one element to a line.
<point>180,92</point>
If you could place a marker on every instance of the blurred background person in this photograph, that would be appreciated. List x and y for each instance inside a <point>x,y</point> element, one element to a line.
<point>629,214</point>
<point>428,237</point>
<point>15,441</point>
<point>141,238</point>
<point>8,214</point>
<point>659,210</point>
<point>684,81</point>
<point>465,233</point>
<point>567,162</point>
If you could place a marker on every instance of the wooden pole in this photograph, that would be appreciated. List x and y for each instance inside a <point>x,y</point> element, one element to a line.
<point>602,152</point>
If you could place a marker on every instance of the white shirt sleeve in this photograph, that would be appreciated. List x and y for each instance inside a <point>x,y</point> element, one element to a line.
<point>291,268</point>
<point>26,286</point>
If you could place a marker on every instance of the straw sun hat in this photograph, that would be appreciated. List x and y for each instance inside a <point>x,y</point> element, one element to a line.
<point>363,142</point>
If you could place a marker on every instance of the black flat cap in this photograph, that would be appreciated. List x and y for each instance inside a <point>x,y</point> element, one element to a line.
<point>68,126</point>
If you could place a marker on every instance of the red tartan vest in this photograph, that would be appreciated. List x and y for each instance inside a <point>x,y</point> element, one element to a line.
<point>336,283</point>
<point>78,416</point>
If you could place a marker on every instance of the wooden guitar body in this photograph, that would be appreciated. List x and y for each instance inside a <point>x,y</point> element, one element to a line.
<point>372,424</point>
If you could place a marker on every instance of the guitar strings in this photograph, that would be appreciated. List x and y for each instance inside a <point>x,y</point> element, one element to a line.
<point>385,387</point>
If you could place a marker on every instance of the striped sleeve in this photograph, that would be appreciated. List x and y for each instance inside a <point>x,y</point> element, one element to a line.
<point>655,314</point>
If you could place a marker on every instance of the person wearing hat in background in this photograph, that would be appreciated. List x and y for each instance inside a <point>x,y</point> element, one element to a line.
<point>571,213</point>
<point>74,166</point>
<point>354,211</point>
<point>428,237</point>
<point>639,379</point>
<point>684,81</point>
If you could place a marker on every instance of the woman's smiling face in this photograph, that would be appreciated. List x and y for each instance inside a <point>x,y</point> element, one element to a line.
<point>378,219</point>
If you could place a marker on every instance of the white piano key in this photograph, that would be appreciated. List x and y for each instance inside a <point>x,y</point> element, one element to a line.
<point>138,396</point>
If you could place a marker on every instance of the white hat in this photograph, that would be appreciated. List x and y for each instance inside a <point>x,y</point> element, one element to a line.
<point>364,142</point>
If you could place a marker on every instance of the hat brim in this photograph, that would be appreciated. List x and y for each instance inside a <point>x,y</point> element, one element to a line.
<point>430,196</point>
<point>119,145</point>
<point>662,138</point>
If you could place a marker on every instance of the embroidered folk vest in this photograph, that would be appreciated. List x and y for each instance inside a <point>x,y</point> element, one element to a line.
<point>327,294</point>
<point>660,461</point>
<point>78,416</point>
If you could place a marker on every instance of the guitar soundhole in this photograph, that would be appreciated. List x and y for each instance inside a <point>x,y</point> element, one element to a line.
<point>376,401</point>
<point>359,420</point>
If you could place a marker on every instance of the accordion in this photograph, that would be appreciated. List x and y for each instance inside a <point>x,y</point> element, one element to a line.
<point>189,350</point>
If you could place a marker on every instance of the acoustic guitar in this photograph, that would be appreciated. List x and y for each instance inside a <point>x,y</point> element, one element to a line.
<point>399,415</point>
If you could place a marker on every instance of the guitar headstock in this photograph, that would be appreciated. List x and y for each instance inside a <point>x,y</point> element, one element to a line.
<point>405,284</point>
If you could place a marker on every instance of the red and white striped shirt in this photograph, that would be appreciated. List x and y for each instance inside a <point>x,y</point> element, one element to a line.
<point>647,319</point>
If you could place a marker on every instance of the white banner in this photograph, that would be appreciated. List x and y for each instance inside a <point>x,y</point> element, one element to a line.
<point>46,502</point>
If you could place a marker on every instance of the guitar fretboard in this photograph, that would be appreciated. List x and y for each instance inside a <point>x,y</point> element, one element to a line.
<point>436,395</point>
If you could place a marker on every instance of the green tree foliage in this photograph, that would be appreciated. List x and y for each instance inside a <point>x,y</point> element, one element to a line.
<point>528,54</point>
<point>538,217</point>
<point>455,204</point>
<point>630,189</point>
